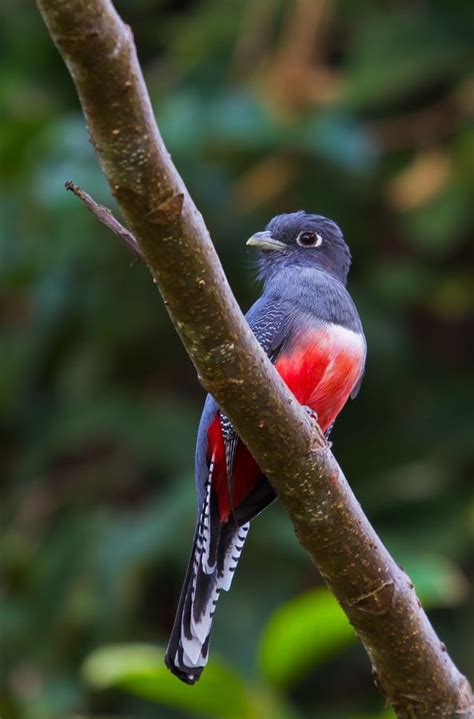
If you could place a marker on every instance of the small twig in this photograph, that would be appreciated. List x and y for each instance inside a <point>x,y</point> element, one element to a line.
<point>106,217</point>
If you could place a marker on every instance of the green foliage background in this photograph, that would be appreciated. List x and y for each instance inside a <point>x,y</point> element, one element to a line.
<point>360,111</point>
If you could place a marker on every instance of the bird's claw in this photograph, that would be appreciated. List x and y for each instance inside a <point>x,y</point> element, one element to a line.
<point>313,415</point>
<point>311,412</point>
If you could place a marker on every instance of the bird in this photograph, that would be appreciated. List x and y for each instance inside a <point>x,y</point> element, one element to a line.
<point>309,327</point>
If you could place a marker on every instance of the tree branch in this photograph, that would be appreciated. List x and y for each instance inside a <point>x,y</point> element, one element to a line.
<point>105,216</point>
<point>412,667</point>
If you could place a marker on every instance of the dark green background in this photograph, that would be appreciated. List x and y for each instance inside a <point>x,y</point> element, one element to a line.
<point>359,111</point>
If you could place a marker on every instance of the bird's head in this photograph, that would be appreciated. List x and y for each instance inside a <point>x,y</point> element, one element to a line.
<point>299,239</point>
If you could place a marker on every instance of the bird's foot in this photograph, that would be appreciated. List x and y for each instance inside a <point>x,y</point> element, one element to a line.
<point>311,412</point>
<point>314,417</point>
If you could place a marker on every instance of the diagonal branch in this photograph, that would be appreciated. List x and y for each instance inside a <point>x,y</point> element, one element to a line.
<point>412,668</point>
<point>105,216</point>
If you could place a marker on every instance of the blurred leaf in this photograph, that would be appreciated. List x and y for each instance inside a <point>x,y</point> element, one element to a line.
<point>304,631</point>
<point>140,670</point>
<point>311,628</point>
<point>438,581</point>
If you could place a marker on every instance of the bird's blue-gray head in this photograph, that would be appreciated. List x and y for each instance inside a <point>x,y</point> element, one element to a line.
<point>300,239</point>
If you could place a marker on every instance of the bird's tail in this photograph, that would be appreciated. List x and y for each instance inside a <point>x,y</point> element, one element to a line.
<point>215,553</point>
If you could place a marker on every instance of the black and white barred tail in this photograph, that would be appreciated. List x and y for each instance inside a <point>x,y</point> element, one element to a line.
<point>215,554</point>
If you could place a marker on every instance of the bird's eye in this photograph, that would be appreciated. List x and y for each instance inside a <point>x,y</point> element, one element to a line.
<point>309,239</point>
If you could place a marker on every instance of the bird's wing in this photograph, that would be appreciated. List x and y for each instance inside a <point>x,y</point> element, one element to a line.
<point>270,322</point>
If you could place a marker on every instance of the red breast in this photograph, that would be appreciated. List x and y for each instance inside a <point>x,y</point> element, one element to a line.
<point>321,367</point>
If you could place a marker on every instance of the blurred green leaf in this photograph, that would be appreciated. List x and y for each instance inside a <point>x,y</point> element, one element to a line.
<point>311,628</point>
<point>438,581</point>
<point>140,670</point>
<point>304,631</point>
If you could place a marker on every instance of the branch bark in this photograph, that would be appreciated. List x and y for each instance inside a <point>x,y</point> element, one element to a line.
<point>411,665</point>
